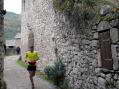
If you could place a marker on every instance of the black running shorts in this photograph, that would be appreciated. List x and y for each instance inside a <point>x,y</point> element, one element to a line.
<point>31,68</point>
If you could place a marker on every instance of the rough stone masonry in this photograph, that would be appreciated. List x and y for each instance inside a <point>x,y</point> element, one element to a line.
<point>55,37</point>
<point>2,83</point>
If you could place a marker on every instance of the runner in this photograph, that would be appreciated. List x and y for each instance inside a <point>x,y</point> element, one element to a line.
<point>31,59</point>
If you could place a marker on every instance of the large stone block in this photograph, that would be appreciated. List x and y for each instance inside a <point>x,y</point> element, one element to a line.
<point>105,9</point>
<point>101,82</point>
<point>103,25</point>
<point>115,57</point>
<point>114,35</point>
<point>115,23</point>
<point>94,43</point>
<point>95,36</point>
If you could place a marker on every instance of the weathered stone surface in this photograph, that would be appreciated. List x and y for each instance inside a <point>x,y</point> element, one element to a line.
<point>40,18</point>
<point>95,36</point>
<point>52,31</point>
<point>103,25</point>
<point>114,23</point>
<point>115,57</point>
<point>2,83</point>
<point>94,43</point>
<point>94,27</point>
<point>101,81</point>
<point>105,9</point>
<point>114,35</point>
<point>55,37</point>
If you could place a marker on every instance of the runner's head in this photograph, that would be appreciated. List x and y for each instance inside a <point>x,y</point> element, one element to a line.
<point>32,48</point>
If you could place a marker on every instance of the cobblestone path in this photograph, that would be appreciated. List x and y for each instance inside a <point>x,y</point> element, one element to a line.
<point>16,77</point>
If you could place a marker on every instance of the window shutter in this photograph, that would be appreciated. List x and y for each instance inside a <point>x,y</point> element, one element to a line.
<point>105,49</point>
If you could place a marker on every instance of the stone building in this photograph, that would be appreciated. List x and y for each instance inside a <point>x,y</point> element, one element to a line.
<point>91,58</point>
<point>10,47</point>
<point>18,40</point>
<point>38,25</point>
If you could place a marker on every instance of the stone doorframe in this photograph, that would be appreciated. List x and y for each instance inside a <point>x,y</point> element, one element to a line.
<point>108,38</point>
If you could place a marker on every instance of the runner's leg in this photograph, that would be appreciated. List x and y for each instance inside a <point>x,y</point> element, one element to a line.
<point>32,74</point>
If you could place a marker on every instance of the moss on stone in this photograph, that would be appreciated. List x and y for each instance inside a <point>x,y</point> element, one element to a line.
<point>63,5</point>
<point>106,18</point>
<point>68,5</point>
<point>109,17</point>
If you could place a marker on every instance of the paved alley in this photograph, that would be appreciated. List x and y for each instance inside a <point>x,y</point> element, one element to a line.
<point>16,77</point>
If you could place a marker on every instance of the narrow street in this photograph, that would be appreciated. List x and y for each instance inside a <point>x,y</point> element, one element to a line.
<point>16,77</point>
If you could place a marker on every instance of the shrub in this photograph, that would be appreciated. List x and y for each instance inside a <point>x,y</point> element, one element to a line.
<point>56,73</point>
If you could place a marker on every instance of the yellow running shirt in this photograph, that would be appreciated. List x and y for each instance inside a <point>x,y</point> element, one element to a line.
<point>32,56</point>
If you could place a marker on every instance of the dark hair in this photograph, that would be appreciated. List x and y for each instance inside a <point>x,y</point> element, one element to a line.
<point>32,47</point>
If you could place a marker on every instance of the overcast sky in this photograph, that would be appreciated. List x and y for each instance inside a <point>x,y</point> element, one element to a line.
<point>13,5</point>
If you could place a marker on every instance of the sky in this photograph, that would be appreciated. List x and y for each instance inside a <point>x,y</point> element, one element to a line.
<point>13,6</point>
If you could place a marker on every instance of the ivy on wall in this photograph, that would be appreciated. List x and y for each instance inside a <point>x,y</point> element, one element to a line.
<point>69,5</point>
<point>82,11</point>
<point>63,5</point>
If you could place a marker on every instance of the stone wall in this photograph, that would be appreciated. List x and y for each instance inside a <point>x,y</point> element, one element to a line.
<point>78,52</point>
<point>38,15</point>
<point>2,83</point>
<point>108,79</point>
<point>56,37</point>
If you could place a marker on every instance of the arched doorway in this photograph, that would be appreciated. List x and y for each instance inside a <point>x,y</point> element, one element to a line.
<point>30,37</point>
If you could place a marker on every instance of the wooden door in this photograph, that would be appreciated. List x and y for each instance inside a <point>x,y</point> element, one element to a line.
<point>105,49</point>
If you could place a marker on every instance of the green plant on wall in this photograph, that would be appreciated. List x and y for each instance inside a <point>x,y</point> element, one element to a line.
<point>56,73</point>
<point>63,5</point>
<point>68,5</point>
<point>111,16</point>
<point>83,11</point>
